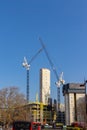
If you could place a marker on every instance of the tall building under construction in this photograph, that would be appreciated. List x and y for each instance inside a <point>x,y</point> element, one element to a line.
<point>44,85</point>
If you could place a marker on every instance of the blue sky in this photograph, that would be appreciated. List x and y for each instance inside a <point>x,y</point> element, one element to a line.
<point>61,24</point>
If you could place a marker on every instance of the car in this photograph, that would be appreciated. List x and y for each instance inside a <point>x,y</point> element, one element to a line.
<point>47,126</point>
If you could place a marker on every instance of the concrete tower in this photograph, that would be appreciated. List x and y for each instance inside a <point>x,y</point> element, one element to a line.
<point>44,85</point>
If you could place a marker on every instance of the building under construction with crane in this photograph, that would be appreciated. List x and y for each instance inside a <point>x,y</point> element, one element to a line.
<point>45,83</point>
<point>59,79</point>
<point>60,115</point>
<point>44,110</point>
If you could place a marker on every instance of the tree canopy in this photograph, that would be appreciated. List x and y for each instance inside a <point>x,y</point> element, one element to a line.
<point>11,105</point>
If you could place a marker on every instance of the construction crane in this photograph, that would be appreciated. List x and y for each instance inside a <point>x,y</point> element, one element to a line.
<point>27,67</point>
<point>60,80</point>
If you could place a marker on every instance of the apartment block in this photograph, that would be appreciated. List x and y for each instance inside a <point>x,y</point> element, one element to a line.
<point>44,85</point>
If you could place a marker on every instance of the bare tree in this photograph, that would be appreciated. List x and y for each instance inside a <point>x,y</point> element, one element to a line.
<point>11,105</point>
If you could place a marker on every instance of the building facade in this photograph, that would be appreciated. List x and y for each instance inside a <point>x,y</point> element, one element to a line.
<point>39,112</point>
<point>74,95</point>
<point>44,85</point>
<point>61,114</point>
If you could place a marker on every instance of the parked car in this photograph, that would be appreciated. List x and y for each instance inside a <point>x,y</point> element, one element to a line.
<point>47,126</point>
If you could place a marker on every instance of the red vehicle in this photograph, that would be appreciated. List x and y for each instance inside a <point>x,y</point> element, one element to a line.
<point>78,124</point>
<point>25,125</point>
<point>36,125</point>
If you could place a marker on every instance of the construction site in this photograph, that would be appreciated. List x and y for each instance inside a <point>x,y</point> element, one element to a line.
<point>44,110</point>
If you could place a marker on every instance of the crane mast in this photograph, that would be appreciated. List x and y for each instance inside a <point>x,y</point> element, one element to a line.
<point>27,66</point>
<point>60,81</point>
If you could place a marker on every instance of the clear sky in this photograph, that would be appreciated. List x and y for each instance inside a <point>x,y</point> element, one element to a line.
<point>62,25</point>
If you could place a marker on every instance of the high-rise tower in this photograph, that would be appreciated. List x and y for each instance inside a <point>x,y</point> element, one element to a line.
<point>44,85</point>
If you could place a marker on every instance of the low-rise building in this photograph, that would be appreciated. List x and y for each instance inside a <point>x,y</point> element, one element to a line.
<point>74,94</point>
